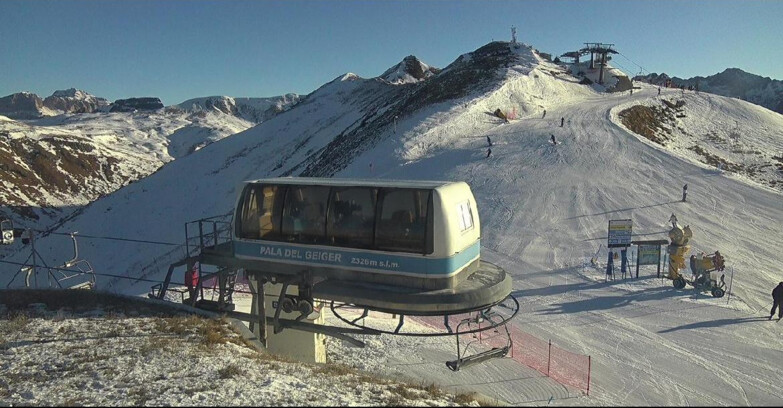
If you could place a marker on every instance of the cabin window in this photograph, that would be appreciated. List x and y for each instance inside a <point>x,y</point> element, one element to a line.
<point>259,212</point>
<point>465,214</point>
<point>352,216</point>
<point>402,222</point>
<point>248,214</point>
<point>304,214</point>
<point>269,219</point>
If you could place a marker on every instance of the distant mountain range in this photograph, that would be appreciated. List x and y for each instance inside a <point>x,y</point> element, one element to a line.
<point>26,105</point>
<point>70,148</point>
<point>255,110</point>
<point>732,82</point>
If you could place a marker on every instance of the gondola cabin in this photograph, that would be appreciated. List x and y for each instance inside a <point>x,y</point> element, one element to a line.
<point>415,234</point>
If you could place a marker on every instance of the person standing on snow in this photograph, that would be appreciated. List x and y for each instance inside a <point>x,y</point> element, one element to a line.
<point>489,152</point>
<point>561,121</point>
<point>553,139</point>
<point>777,301</point>
<point>544,115</point>
<point>489,141</point>
<point>191,281</point>
<point>684,192</point>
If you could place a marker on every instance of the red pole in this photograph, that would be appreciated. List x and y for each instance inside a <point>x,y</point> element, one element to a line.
<point>588,374</point>
<point>549,358</point>
<point>512,349</point>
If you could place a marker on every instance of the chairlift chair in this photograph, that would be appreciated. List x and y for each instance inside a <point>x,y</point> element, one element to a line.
<point>6,231</point>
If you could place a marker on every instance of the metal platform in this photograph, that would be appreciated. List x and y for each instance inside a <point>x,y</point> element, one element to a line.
<point>484,288</point>
<point>466,302</point>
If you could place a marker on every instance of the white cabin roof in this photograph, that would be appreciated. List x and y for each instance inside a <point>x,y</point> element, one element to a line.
<point>319,181</point>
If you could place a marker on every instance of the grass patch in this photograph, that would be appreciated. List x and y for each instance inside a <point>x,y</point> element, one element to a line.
<point>17,322</point>
<point>230,371</point>
<point>74,402</point>
<point>465,398</point>
<point>157,344</point>
<point>334,369</point>
<point>139,396</point>
<point>179,325</point>
<point>713,160</point>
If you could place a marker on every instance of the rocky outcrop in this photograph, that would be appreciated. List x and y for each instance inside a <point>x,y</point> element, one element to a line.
<point>75,101</point>
<point>410,70</point>
<point>136,104</point>
<point>21,105</point>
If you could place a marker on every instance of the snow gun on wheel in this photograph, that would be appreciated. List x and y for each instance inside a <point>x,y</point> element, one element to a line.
<point>702,266</point>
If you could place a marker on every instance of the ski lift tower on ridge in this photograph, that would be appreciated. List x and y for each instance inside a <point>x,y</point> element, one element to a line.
<point>513,35</point>
<point>601,50</point>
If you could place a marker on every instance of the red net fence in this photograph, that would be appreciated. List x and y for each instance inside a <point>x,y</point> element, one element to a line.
<point>561,365</point>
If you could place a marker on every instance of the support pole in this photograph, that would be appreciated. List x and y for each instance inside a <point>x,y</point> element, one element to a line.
<point>257,308</point>
<point>549,358</point>
<point>637,262</point>
<point>35,270</point>
<point>731,282</point>
<point>589,370</point>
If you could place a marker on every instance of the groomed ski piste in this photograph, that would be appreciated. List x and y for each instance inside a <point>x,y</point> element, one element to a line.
<point>544,210</point>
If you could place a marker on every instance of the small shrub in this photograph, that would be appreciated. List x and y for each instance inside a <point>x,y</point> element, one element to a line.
<point>230,371</point>
<point>18,322</point>
<point>465,399</point>
<point>139,396</point>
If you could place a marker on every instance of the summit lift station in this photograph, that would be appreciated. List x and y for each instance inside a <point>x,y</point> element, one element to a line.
<point>407,248</point>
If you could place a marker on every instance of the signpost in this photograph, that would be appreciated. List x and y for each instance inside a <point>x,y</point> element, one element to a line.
<point>619,237</point>
<point>620,233</point>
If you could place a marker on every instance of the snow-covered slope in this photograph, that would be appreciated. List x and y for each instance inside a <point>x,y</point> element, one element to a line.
<point>544,210</point>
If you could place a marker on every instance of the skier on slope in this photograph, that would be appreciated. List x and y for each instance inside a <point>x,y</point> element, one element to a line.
<point>554,142</point>
<point>489,141</point>
<point>684,192</point>
<point>777,301</point>
<point>489,152</point>
<point>544,115</point>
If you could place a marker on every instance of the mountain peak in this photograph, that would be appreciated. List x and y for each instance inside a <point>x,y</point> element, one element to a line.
<point>74,100</point>
<point>71,93</point>
<point>409,70</point>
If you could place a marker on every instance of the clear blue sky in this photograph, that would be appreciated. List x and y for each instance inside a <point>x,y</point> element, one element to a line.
<point>179,49</point>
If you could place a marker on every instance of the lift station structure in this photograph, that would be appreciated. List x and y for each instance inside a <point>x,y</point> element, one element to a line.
<point>291,282</point>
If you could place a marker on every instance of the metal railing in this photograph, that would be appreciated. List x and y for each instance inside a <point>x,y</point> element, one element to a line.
<point>207,233</point>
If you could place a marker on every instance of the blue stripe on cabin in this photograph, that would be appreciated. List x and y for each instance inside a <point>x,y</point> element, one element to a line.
<point>358,259</point>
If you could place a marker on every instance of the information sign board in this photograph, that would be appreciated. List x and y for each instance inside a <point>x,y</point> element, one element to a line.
<point>620,233</point>
<point>649,255</point>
